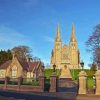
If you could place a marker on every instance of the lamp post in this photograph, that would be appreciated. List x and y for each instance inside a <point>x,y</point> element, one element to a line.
<point>98,64</point>
<point>42,70</point>
<point>82,64</point>
<point>54,68</point>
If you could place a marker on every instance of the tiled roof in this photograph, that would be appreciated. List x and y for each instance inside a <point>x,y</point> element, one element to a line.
<point>29,66</point>
<point>33,65</point>
<point>24,64</point>
<point>5,65</point>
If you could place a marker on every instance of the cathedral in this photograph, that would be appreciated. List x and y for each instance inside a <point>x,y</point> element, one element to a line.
<point>62,55</point>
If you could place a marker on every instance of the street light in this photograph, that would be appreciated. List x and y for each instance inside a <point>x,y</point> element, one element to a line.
<point>82,64</point>
<point>98,63</point>
<point>54,68</point>
<point>43,67</point>
<point>42,70</point>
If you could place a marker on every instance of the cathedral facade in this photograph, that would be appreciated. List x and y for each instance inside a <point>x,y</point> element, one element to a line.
<point>65,54</point>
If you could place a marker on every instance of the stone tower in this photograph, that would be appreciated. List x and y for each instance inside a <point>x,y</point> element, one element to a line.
<point>56,52</point>
<point>74,52</point>
<point>65,55</point>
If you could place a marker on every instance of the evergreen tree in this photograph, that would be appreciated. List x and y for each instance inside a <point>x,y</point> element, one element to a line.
<point>5,56</point>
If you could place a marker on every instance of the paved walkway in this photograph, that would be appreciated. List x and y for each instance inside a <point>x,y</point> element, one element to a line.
<point>88,97</point>
<point>10,95</point>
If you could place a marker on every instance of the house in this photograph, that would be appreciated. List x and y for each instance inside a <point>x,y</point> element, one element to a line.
<point>21,68</point>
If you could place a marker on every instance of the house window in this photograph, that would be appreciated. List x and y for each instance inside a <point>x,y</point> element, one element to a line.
<point>2,74</point>
<point>14,72</point>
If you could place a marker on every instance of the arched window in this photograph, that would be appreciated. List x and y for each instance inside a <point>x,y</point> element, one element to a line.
<point>14,72</point>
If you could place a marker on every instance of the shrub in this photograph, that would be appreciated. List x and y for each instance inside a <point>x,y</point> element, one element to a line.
<point>31,82</point>
<point>2,82</point>
<point>90,83</point>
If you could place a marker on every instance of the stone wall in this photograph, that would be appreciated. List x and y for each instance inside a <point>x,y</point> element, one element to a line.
<point>27,88</point>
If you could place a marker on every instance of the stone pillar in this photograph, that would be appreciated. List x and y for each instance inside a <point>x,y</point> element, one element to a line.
<point>82,83</point>
<point>42,82</point>
<point>19,82</point>
<point>53,83</point>
<point>97,75</point>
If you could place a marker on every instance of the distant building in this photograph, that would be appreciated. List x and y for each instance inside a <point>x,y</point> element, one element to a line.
<point>65,54</point>
<point>20,68</point>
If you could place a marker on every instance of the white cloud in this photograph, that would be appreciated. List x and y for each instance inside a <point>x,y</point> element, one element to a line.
<point>10,37</point>
<point>49,39</point>
<point>30,3</point>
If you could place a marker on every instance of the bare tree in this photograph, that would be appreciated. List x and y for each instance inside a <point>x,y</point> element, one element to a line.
<point>22,52</point>
<point>93,67</point>
<point>93,44</point>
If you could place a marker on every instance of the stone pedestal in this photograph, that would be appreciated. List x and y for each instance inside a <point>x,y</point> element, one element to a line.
<point>65,82</point>
<point>19,82</point>
<point>97,75</point>
<point>82,82</point>
<point>53,83</point>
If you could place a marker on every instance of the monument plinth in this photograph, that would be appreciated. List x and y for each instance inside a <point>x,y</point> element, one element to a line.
<point>65,73</point>
<point>65,81</point>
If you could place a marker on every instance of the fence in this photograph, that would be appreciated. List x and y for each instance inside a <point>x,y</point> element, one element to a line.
<point>23,84</point>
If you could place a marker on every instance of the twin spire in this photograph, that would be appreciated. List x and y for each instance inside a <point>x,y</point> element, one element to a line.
<point>58,37</point>
<point>72,37</point>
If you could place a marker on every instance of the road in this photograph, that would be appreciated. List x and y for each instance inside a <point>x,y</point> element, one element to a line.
<point>8,95</point>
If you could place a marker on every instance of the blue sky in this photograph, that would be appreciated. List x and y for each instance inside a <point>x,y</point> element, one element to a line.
<point>34,22</point>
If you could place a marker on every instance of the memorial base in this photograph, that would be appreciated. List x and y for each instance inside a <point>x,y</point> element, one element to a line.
<point>66,84</point>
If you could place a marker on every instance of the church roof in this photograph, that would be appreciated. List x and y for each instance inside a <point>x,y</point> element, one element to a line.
<point>33,65</point>
<point>5,65</point>
<point>65,46</point>
<point>29,66</point>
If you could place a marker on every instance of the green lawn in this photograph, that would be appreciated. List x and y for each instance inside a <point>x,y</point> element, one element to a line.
<point>48,73</point>
<point>74,73</point>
